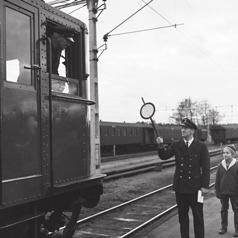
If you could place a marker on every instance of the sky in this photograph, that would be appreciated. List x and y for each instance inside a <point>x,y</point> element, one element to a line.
<point>196,60</point>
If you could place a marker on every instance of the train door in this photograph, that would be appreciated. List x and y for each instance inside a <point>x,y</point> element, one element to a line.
<point>68,104</point>
<point>21,168</point>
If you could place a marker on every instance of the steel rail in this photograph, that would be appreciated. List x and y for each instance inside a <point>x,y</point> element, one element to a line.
<point>110,158</point>
<point>124,204</point>
<point>155,218</point>
<point>160,215</point>
<point>81,221</point>
<point>128,202</point>
<point>147,167</point>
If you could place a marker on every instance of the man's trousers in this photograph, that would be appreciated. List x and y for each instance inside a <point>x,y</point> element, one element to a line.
<point>184,201</point>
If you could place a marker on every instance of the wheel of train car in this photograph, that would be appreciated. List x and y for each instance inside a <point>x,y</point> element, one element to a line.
<point>90,200</point>
<point>55,220</point>
<point>147,110</point>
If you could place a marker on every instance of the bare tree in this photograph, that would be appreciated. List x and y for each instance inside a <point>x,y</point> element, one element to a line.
<point>214,117</point>
<point>186,108</point>
<point>200,112</point>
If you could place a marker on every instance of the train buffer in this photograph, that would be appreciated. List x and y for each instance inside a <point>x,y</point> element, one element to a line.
<point>170,228</point>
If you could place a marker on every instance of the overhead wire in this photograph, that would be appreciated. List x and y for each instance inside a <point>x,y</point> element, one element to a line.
<point>77,9</point>
<point>70,4</point>
<point>105,37</point>
<point>143,30</point>
<point>128,18</point>
<point>189,39</point>
<point>154,10</point>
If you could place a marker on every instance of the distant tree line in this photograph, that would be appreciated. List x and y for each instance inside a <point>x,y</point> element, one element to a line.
<point>200,112</point>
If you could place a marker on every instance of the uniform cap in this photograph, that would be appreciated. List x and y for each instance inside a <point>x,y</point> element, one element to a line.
<point>188,123</point>
<point>62,30</point>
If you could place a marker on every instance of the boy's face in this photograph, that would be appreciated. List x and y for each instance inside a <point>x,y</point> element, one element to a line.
<point>227,155</point>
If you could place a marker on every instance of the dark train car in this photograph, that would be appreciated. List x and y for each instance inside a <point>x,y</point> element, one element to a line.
<point>201,134</point>
<point>169,132</point>
<point>46,165</point>
<point>148,136</point>
<point>226,133</point>
<point>122,138</point>
<point>119,138</point>
<point>133,133</point>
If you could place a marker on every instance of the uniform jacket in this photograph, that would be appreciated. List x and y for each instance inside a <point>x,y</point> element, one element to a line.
<point>227,179</point>
<point>192,169</point>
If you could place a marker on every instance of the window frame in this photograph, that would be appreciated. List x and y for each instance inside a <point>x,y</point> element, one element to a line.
<point>77,56</point>
<point>30,12</point>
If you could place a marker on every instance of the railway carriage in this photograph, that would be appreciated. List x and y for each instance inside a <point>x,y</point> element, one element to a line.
<point>227,133</point>
<point>122,138</point>
<point>169,133</point>
<point>46,165</point>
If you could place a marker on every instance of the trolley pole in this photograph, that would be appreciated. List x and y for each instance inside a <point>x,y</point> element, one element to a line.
<point>94,111</point>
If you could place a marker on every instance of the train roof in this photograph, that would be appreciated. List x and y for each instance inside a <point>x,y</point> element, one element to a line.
<point>137,124</point>
<point>127,124</point>
<point>225,126</point>
<point>72,22</point>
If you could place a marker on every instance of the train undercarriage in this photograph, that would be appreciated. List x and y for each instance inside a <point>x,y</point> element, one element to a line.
<point>54,216</point>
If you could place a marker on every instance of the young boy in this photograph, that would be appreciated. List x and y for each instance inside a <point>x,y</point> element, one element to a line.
<point>226,187</point>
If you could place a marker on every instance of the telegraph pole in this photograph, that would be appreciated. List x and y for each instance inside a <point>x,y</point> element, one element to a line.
<point>94,112</point>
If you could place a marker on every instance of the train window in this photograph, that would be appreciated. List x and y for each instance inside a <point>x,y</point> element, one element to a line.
<point>65,59</point>
<point>113,131</point>
<point>134,131</point>
<point>18,47</point>
<point>129,131</point>
<point>124,131</point>
<point>118,131</point>
<point>106,132</point>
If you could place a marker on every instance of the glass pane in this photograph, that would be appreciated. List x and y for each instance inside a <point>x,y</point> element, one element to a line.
<point>64,87</point>
<point>18,46</point>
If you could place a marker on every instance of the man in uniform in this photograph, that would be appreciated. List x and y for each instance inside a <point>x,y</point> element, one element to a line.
<point>61,38</point>
<point>59,43</point>
<point>192,173</point>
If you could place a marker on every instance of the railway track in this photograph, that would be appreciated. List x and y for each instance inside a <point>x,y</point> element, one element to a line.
<point>139,154</point>
<point>140,168</point>
<point>132,217</point>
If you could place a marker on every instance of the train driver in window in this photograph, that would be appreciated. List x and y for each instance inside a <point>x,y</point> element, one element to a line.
<point>59,42</point>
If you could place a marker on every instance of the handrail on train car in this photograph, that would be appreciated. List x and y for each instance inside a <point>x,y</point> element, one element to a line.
<point>60,96</point>
<point>48,40</point>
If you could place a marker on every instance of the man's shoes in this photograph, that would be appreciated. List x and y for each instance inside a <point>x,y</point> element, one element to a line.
<point>235,234</point>
<point>223,231</point>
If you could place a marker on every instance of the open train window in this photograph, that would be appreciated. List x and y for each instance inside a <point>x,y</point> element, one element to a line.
<point>65,59</point>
